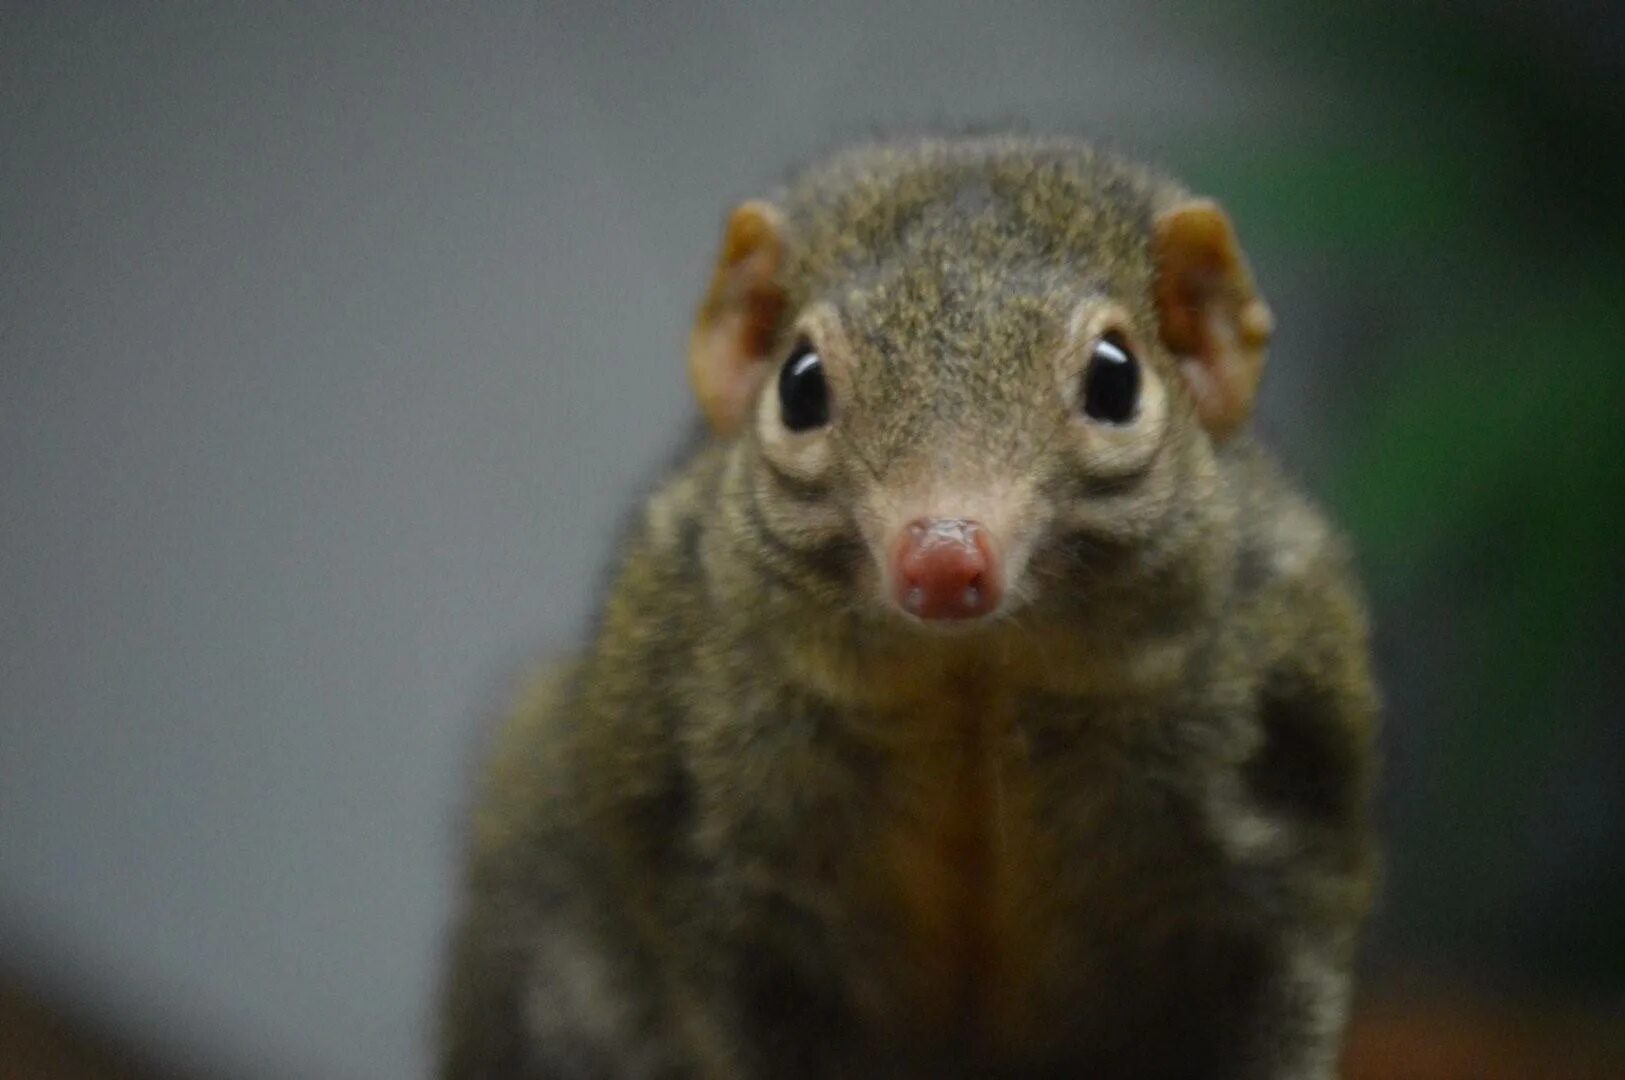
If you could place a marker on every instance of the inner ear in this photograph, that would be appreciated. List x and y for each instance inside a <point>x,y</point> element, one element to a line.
<point>1211,316</point>
<point>739,318</point>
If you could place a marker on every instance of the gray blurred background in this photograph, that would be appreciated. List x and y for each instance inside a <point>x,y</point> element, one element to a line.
<point>334,344</point>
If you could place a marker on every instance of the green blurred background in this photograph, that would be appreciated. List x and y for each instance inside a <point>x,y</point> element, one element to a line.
<point>1463,202</point>
<point>334,343</point>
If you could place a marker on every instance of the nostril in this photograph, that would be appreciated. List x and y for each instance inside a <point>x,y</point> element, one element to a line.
<point>944,568</point>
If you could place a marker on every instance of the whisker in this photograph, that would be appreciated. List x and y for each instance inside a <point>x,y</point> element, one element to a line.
<point>852,445</point>
<point>1060,424</point>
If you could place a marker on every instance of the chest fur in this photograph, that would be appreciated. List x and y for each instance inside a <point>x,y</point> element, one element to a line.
<point>954,869</point>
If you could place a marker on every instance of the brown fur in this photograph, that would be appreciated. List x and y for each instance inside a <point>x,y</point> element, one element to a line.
<point>765,826</point>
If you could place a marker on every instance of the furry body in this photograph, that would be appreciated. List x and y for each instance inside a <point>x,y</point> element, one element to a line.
<point>764,826</point>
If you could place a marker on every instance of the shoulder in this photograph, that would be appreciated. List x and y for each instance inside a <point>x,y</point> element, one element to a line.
<point>1284,535</point>
<point>515,782</point>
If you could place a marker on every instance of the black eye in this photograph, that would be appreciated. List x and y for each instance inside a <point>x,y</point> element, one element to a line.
<point>803,393</point>
<point>1111,383</point>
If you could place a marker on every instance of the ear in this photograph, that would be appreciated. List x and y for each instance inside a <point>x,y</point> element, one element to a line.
<point>1211,316</point>
<point>737,321</point>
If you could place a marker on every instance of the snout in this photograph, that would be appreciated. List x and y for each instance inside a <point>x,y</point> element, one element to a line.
<point>946,569</point>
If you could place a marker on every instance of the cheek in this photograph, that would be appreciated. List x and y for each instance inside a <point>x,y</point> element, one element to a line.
<point>1120,484</point>
<point>1124,518</point>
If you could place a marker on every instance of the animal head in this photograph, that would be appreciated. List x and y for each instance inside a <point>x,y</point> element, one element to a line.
<point>966,378</point>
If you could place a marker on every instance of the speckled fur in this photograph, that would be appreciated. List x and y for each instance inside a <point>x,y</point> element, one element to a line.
<point>765,828</point>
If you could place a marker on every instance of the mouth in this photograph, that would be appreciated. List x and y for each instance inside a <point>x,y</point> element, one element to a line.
<point>944,628</point>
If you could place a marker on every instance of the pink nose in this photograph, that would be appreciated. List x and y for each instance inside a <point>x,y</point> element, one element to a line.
<point>945,568</point>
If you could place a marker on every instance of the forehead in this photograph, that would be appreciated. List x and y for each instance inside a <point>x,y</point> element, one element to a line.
<point>942,349</point>
<point>928,222</point>
<point>954,268</point>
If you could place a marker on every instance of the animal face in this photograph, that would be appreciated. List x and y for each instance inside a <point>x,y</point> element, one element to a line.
<point>958,404</point>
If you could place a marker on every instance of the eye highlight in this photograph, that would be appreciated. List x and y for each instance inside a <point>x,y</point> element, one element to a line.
<point>803,391</point>
<point>1111,381</point>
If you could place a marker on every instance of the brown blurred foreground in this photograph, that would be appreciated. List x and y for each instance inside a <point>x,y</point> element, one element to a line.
<point>36,1044</point>
<point>1446,1036</point>
<point>1433,1037</point>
